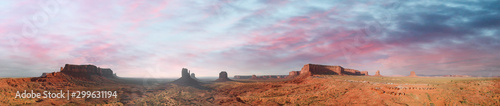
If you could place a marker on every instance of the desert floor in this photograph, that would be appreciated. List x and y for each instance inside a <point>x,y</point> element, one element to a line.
<point>314,90</point>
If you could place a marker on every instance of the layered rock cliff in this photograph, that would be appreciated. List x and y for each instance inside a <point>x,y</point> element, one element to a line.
<point>223,77</point>
<point>87,71</point>
<point>316,69</point>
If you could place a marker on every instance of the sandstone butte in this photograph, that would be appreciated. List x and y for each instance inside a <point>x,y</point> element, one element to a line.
<point>412,74</point>
<point>377,73</point>
<point>186,79</point>
<point>317,69</point>
<point>85,72</point>
<point>254,77</point>
<point>309,70</point>
<point>223,77</point>
<point>77,72</point>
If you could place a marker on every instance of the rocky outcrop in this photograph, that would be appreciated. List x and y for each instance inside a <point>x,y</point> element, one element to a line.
<point>86,71</point>
<point>194,77</point>
<point>351,72</point>
<point>254,77</point>
<point>292,74</point>
<point>186,79</point>
<point>412,74</point>
<point>316,69</point>
<point>80,70</point>
<point>106,72</point>
<point>365,73</point>
<point>377,73</point>
<point>54,77</point>
<point>223,77</point>
<point>48,75</point>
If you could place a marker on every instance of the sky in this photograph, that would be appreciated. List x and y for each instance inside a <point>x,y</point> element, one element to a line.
<point>157,38</point>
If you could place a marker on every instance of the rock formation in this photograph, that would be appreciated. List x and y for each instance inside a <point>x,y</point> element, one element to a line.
<point>86,71</point>
<point>364,73</point>
<point>292,74</point>
<point>223,77</point>
<point>254,77</point>
<point>412,74</point>
<point>54,77</point>
<point>106,72</point>
<point>78,72</point>
<point>48,75</point>
<point>377,73</point>
<point>316,69</point>
<point>186,79</point>
<point>351,72</point>
<point>194,77</point>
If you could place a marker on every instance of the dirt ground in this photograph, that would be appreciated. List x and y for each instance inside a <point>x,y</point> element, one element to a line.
<point>314,90</point>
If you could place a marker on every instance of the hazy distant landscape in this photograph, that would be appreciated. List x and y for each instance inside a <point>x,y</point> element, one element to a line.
<point>311,86</point>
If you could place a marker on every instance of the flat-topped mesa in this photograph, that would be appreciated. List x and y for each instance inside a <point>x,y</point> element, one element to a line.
<point>316,69</point>
<point>86,71</point>
<point>412,74</point>
<point>223,77</point>
<point>106,72</point>
<point>79,70</point>
<point>351,72</point>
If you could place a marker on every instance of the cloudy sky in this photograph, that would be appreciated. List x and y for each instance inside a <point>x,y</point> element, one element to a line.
<point>148,38</point>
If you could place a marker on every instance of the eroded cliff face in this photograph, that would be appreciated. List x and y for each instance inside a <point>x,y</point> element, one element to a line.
<point>87,71</point>
<point>106,72</point>
<point>186,79</point>
<point>364,73</point>
<point>292,74</point>
<point>351,72</point>
<point>316,69</point>
<point>223,77</point>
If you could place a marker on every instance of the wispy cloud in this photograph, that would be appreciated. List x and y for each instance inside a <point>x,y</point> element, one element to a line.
<point>158,38</point>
